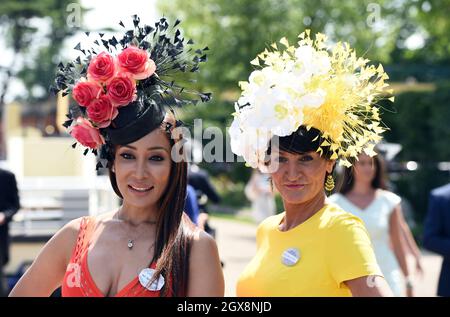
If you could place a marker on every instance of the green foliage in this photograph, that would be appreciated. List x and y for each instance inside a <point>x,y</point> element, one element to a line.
<point>234,196</point>
<point>421,126</point>
<point>237,30</point>
<point>279,207</point>
<point>431,18</point>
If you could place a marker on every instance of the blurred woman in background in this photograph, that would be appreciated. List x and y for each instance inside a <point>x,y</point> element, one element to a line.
<point>363,192</point>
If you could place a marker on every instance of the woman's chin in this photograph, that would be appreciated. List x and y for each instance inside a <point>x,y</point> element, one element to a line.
<point>140,202</point>
<point>294,199</point>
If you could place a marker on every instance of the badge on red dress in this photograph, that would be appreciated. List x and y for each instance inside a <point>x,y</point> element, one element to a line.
<point>146,275</point>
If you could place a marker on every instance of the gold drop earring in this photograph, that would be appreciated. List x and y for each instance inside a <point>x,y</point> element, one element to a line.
<point>329,184</point>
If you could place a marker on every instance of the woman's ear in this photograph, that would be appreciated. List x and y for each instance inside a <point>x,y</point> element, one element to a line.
<point>330,166</point>
<point>113,169</point>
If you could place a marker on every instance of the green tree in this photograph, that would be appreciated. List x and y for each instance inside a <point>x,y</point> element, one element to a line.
<point>238,30</point>
<point>430,18</point>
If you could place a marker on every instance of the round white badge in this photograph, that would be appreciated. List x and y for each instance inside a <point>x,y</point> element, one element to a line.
<point>290,257</point>
<point>146,275</point>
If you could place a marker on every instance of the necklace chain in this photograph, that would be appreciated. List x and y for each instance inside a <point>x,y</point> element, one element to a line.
<point>131,241</point>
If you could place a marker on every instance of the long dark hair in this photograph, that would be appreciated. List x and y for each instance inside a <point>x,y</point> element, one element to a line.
<point>347,181</point>
<point>174,231</point>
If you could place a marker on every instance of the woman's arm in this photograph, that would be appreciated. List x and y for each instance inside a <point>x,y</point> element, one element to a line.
<point>411,243</point>
<point>398,242</point>
<point>205,271</point>
<point>369,286</point>
<point>48,269</point>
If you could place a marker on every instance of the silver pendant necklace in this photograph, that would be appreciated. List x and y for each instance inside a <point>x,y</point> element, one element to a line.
<point>131,241</point>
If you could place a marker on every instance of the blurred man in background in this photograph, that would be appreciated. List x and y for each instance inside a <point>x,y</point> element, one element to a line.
<point>199,180</point>
<point>436,236</point>
<point>9,205</point>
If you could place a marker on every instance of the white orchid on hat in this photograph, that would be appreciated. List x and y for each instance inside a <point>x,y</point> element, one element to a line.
<point>311,85</point>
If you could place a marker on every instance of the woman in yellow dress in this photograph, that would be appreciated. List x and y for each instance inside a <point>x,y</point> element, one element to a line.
<point>307,107</point>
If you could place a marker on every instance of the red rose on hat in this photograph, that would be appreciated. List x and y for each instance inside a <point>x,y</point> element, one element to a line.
<point>86,134</point>
<point>101,68</point>
<point>137,62</point>
<point>86,91</point>
<point>101,111</point>
<point>121,90</point>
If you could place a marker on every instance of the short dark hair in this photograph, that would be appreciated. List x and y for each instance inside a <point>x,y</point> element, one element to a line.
<point>304,140</point>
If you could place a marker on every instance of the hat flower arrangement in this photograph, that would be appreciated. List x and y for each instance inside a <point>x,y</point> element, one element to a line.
<point>110,84</point>
<point>312,85</point>
<point>139,71</point>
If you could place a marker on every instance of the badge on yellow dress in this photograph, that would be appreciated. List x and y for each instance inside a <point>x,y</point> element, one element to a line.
<point>290,257</point>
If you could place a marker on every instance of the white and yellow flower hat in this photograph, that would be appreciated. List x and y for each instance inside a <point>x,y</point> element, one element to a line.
<point>312,85</point>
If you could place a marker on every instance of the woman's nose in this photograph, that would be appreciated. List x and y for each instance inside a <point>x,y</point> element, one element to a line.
<point>141,169</point>
<point>292,172</point>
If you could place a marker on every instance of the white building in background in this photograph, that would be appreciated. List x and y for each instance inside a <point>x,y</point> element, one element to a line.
<point>56,182</point>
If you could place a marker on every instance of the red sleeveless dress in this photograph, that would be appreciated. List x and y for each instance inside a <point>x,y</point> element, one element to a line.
<point>79,283</point>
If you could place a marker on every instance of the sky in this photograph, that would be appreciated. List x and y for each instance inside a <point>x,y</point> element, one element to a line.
<point>109,12</point>
<point>106,14</point>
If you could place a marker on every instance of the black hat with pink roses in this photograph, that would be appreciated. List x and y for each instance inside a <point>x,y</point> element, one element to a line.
<point>123,88</point>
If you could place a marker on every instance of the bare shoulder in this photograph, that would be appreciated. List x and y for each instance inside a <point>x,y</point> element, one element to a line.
<point>71,228</point>
<point>204,261</point>
<point>202,243</point>
<point>202,236</point>
<point>65,239</point>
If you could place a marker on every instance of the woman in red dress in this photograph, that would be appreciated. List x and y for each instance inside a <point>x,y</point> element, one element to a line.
<point>148,247</point>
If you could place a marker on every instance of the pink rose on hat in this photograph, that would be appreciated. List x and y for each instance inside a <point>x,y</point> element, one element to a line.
<point>101,68</point>
<point>84,92</point>
<point>101,111</point>
<point>137,62</point>
<point>121,90</point>
<point>85,133</point>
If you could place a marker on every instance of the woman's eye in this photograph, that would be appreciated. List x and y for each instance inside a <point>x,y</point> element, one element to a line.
<point>306,158</point>
<point>127,156</point>
<point>281,159</point>
<point>156,158</point>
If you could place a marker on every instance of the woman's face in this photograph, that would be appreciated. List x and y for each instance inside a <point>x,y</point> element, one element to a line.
<point>142,169</point>
<point>365,169</point>
<point>300,177</point>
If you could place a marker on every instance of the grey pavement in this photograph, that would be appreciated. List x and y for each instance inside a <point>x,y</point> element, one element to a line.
<point>237,245</point>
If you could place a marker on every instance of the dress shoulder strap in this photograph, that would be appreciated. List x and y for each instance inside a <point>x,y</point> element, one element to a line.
<point>87,226</point>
